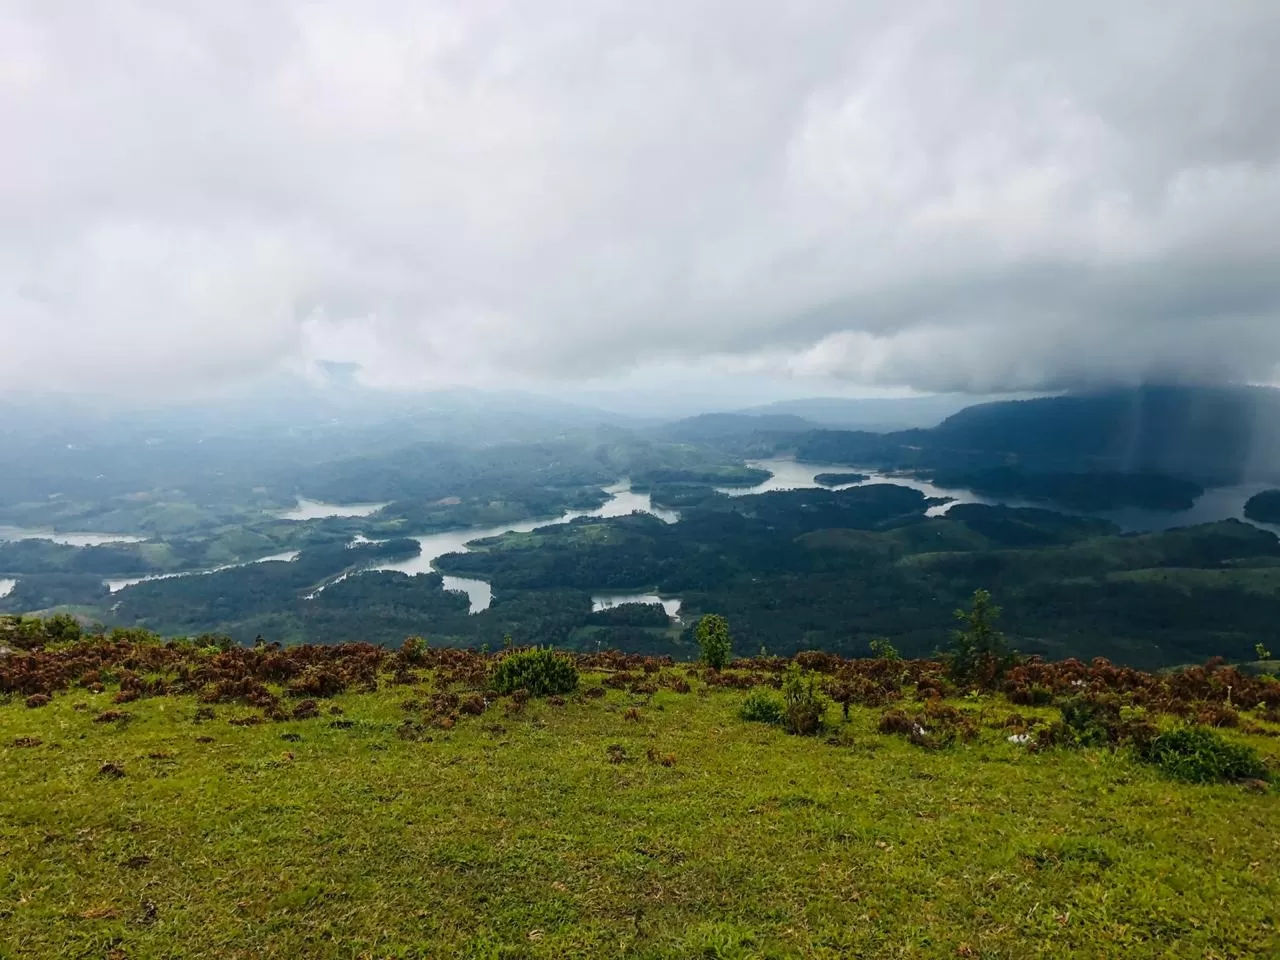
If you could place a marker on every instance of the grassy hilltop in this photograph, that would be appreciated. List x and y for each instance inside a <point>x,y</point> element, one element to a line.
<point>178,801</point>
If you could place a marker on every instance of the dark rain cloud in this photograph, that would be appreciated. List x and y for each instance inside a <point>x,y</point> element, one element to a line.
<point>946,196</point>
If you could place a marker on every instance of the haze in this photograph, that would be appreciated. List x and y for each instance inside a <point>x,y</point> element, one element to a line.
<point>978,197</point>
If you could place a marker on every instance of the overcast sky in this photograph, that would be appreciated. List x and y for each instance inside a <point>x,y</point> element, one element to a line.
<point>948,195</point>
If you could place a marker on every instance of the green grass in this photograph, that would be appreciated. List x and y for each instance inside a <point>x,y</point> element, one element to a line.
<point>516,836</point>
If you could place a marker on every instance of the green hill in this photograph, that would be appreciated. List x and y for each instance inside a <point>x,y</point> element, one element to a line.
<point>174,800</point>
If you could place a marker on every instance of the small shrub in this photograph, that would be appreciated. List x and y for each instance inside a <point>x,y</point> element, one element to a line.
<point>1030,695</point>
<point>803,702</point>
<point>979,654</point>
<point>714,640</point>
<point>317,681</point>
<point>762,706</point>
<point>665,759</point>
<point>62,628</point>
<point>1199,755</point>
<point>1218,715</point>
<point>882,648</point>
<point>540,670</point>
<point>897,721</point>
<point>38,700</point>
<point>414,650</point>
<point>1093,721</point>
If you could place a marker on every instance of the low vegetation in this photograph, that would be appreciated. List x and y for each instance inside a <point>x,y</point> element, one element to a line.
<point>200,800</point>
<point>540,671</point>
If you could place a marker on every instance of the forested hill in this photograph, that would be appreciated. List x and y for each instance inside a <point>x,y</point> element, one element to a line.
<point>1212,436</point>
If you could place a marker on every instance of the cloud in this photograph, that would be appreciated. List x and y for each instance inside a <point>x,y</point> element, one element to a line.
<point>985,196</point>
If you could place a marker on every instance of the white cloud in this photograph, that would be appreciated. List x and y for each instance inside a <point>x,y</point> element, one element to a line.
<point>934,195</point>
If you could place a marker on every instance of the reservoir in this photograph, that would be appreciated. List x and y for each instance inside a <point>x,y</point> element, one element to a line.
<point>622,502</point>
<point>319,510</point>
<point>1217,503</point>
<point>605,601</point>
<point>67,539</point>
<point>121,583</point>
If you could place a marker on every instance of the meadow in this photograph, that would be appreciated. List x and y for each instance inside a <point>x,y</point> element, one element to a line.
<point>177,801</point>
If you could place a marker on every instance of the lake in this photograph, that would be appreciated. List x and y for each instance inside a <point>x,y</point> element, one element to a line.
<point>622,502</point>
<point>1219,503</point>
<point>606,600</point>
<point>319,510</point>
<point>121,583</point>
<point>68,539</point>
<point>6,587</point>
<point>797,475</point>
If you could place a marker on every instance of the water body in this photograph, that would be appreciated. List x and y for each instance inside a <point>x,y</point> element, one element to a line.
<point>6,587</point>
<point>68,539</point>
<point>605,601</point>
<point>1219,503</point>
<point>121,583</point>
<point>622,502</point>
<point>795,475</point>
<point>319,510</point>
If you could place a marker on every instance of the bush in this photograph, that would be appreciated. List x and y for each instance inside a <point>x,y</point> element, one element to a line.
<point>413,651</point>
<point>1093,721</point>
<point>1198,755</point>
<point>714,640</point>
<point>882,648</point>
<point>540,670</point>
<point>763,707</point>
<point>803,702</point>
<point>979,654</point>
<point>62,628</point>
<point>1030,695</point>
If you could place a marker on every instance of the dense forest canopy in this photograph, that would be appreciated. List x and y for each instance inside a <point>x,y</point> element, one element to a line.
<point>794,569</point>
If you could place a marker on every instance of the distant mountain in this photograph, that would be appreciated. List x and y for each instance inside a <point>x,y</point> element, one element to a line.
<point>1211,435</point>
<point>708,427</point>
<point>876,414</point>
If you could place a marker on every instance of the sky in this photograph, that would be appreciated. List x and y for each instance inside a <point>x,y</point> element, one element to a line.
<point>872,198</point>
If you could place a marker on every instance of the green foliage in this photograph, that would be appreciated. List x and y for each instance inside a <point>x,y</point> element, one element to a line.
<point>714,640</point>
<point>413,650</point>
<point>1261,650</point>
<point>540,670</point>
<point>763,706</point>
<point>804,703</point>
<point>214,642</point>
<point>62,628</point>
<point>978,652</point>
<point>1199,755</point>
<point>1091,721</point>
<point>882,648</point>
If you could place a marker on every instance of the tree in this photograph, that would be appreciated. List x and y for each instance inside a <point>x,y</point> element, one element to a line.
<point>714,640</point>
<point>978,652</point>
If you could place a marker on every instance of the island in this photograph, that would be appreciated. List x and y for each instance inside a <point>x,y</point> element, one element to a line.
<point>1264,507</point>
<point>839,479</point>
